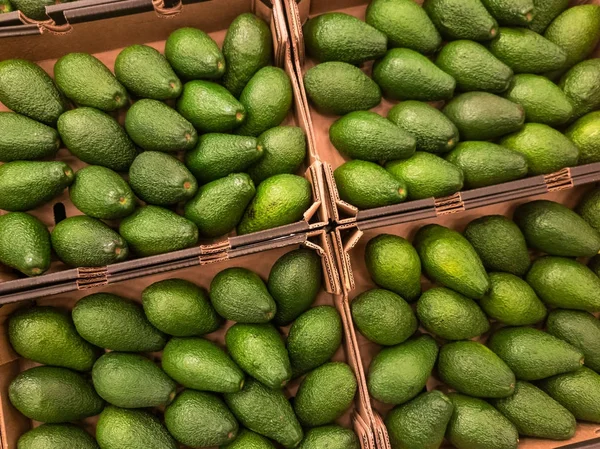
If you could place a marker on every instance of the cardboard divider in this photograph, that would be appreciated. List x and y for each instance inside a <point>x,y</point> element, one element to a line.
<point>13,424</point>
<point>351,241</point>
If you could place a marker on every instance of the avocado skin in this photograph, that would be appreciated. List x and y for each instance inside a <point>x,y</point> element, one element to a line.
<point>404,74</point>
<point>47,436</point>
<point>545,12</point>
<point>533,354</point>
<point>511,12</point>
<point>193,54</point>
<point>581,84</point>
<point>26,89</point>
<point>146,73</point>
<point>589,208</point>
<point>461,19</point>
<point>86,81</point>
<point>246,439</point>
<point>331,436</point>
<point>25,185</point>
<point>24,243</point>
<point>339,88</point>
<point>544,223</point>
<point>584,133</point>
<point>485,164</point>
<point>33,9</point>
<point>421,423</point>
<point>284,150</point>
<point>248,47</point>
<point>341,37</point>
<point>83,241</point>
<point>25,139</point>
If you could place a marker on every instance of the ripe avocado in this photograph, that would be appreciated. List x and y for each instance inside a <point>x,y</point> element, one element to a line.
<point>589,208</point>
<point>545,11</point>
<point>193,54</point>
<point>24,243</point>
<point>511,12</point>
<point>25,139</point>
<point>581,85</point>
<point>585,134</point>
<point>461,19</point>
<point>62,435</point>
<point>332,437</point>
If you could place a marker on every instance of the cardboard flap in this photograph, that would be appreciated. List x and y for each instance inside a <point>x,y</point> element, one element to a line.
<point>364,432</point>
<point>381,433</point>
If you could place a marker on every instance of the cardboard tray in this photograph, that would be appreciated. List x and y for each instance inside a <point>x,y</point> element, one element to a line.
<point>105,38</point>
<point>13,424</point>
<point>343,213</point>
<point>350,242</point>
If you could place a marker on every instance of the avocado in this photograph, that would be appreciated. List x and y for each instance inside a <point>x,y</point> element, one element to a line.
<point>366,185</point>
<point>314,338</point>
<point>525,51</point>
<point>116,323</point>
<point>267,99</point>
<point>47,335</point>
<point>193,54</point>
<point>146,73</point>
<point>82,241</point>
<point>536,414</point>
<point>325,394</point>
<point>533,354</point>
<point>394,264</point>
<point>544,223</point>
<point>246,439</point>
<point>434,132</point>
<point>368,136</point>
<point>581,85</point>
<point>542,100</point>
<point>594,265</point>
<point>484,163</point>
<point>471,368</point>
<point>565,283</point>
<point>54,395</point>
<point>199,419</point>
<point>154,230</point>
<point>544,12</point>
<point>337,36</point>
<point>545,149</point>
<point>48,436</point>
<point>219,205</point>
<point>240,295</point>
<point>461,19</point>
<point>585,134</point>
<point>114,430</point>
<point>161,179</point>
<point>218,155</point>
<point>576,31</point>
<point>25,185</point>
<point>202,365</point>
<point>450,260</point>
<point>266,412</point>
<point>260,351</point>
<point>577,391</point>
<point>484,116</point>
<point>339,88</point>
<point>405,24</point>
<point>474,67</point>
<point>248,47</point>
<point>210,107</point>
<point>294,282</point>
<point>420,423</point>
<point>86,81</point>
<point>398,373</point>
<point>35,10</point>
<point>26,139</point>
<point>332,437</point>
<point>383,317</point>
<point>427,175</point>
<point>451,315</point>
<point>284,150</point>
<point>404,74</point>
<point>511,12</point>
<point>589,208</point>
<point>180,308</point>
<point>580,329</point>
<point>26,89</point>
<point>108,146</point>
<point>131,381</point>
<point>499,243</point>
<point>101,193</point>
<point>6,6</point>
<point>476,424</point>
<point>512,301</point>
<point>24,243</point>
<point>279,200</point>
<point>154,126</point>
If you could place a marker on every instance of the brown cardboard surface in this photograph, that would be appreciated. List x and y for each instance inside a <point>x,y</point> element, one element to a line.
<point>12,423</point>
<point>352,240</point>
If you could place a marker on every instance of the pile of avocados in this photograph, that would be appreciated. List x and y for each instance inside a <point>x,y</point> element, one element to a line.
<point>483,92</point>
<point>176,372</point>
<point>203,138</point>
<point>507,326</point>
